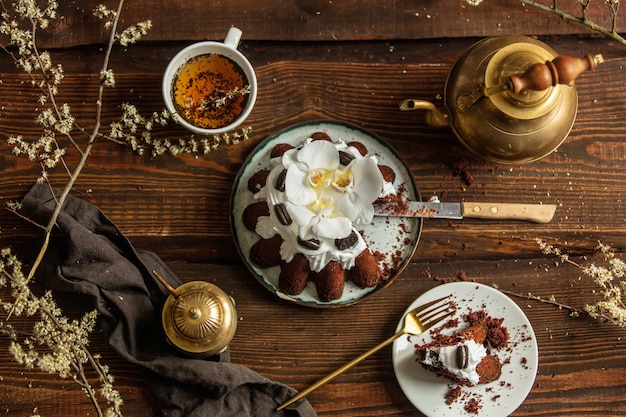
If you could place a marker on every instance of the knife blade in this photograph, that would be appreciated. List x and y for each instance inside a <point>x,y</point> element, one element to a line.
<point>538,213</point>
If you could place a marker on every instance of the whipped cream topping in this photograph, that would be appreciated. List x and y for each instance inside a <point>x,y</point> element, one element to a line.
<point>322,190</point>
<point>446,357</point>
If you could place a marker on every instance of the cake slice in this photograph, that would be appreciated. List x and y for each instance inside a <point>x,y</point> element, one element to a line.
<point>461,357</point>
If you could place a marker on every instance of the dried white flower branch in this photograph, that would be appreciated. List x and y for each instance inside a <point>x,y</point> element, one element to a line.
<point>136,131</point>
<point>583,18</point>
<point>64,341</point>
<point>610,278</point>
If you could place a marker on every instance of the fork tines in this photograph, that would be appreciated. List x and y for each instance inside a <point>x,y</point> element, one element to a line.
<point>429,316</point>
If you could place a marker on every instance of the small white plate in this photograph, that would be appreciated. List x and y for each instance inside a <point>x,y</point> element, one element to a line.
<point>427,391</point>
<point>394,237</point>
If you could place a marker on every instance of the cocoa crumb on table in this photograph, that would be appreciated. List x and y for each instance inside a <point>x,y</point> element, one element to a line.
<point>461,168</point>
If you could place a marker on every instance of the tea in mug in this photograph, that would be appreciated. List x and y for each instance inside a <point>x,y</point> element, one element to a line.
<point>210,91</point>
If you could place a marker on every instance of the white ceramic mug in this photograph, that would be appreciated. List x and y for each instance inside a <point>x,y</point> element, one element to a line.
<point>228,49</point>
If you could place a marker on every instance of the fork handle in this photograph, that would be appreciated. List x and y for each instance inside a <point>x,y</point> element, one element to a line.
<point>340,370</point>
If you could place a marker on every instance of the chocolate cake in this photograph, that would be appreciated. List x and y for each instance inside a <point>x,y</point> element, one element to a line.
<point>308,207</point>
<point>464,357</point>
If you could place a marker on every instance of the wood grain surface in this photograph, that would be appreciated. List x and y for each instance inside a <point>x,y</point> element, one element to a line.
<point>351,62</point>
<point>324,20</point>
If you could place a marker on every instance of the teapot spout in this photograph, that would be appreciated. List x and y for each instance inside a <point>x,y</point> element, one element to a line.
<point>435,116</point>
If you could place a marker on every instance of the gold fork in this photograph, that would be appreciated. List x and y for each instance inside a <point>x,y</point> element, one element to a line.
<point>416,322</point>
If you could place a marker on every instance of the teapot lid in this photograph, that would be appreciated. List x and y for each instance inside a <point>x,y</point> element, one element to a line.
<point>199,318</point>
<point>514,59</point>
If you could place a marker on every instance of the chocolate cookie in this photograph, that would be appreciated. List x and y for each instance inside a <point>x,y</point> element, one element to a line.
<point>388,174</point>
<point>321,136</point>
<point>359,147</point>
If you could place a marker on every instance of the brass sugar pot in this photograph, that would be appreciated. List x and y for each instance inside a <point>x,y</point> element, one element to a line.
<point>198,318</point>
<point>510,99</point>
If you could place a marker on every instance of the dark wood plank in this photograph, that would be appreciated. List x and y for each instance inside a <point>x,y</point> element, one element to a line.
<point>322,20</point>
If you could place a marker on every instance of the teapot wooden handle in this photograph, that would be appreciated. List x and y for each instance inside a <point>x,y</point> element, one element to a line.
<point>561,70</point>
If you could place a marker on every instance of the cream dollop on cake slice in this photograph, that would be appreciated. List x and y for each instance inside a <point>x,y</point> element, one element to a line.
<point>460,360</point>
<point>317,194</point>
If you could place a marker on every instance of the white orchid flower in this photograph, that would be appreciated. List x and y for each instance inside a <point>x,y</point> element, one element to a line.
<point>319,220</point>
<point>325,198</point>
<point>360,184</point>
<point>309,171</point>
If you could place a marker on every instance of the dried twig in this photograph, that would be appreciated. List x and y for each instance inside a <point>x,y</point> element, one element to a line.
<point>583,19</point>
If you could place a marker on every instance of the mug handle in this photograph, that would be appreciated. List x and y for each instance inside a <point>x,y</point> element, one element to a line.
<point>233,37</point>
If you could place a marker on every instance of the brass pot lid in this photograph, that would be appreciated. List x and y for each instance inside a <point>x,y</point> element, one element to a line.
<point>515,59</point>
<point>199,318</point>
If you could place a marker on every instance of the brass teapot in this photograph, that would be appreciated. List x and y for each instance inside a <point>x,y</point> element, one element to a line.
<point>199,318</point>
<point>510,99</point>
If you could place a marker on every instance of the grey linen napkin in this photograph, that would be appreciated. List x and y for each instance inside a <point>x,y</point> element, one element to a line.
<point>89,256</point>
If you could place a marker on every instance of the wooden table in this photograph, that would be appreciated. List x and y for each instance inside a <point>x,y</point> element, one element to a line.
<point>352,62</point>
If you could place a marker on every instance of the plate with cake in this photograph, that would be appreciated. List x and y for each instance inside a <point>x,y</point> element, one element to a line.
<point>303,220</point>
<point>480,362</point>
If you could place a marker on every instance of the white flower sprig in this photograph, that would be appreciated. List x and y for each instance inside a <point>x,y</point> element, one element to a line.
<point>129,35</point>
<point>137,131</point>
<point>610,279</point>
<point>219,102</point>
<point>55,343</point>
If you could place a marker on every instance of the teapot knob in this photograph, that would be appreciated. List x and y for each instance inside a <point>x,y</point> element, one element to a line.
<point>561,70</point>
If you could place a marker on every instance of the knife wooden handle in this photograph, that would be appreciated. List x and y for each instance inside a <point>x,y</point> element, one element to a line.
<point>538,213</point>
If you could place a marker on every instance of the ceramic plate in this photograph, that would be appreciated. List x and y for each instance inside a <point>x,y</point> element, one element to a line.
<point>499,398</point>
<point>394,238</point>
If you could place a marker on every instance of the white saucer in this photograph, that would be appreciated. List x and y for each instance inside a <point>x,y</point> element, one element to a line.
<point>426,391</point>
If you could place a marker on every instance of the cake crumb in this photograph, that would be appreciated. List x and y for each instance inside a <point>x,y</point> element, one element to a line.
<point>473,406</point>
<point>454,392</point>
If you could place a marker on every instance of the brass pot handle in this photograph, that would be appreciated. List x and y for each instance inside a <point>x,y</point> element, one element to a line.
<point>561,70</point>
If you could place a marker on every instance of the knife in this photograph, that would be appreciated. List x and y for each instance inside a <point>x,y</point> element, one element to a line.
<point>538,213</point>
